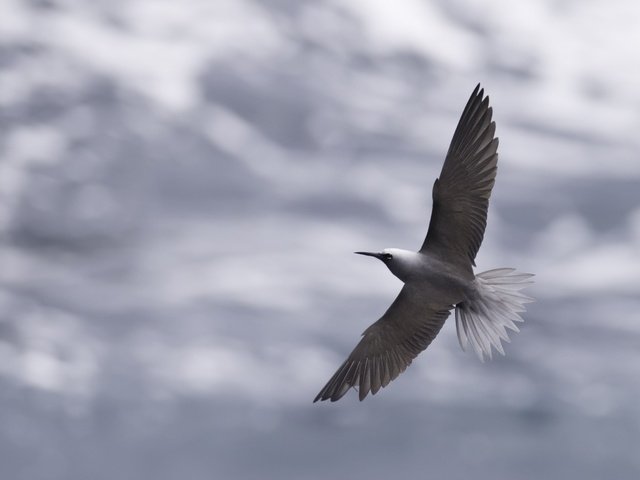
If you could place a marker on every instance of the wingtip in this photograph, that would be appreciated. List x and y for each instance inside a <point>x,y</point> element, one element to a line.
<point>479,92</point>
<point>321,396</point>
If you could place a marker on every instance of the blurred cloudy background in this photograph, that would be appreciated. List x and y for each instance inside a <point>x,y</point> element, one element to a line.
<point>182,185</point>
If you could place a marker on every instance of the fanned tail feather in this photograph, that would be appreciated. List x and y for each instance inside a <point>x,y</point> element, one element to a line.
<point>483,320</point>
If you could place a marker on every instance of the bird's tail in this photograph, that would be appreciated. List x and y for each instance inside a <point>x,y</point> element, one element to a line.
<point>483,319</point>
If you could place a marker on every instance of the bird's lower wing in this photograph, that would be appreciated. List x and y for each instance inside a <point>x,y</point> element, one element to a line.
<point>389,345</point>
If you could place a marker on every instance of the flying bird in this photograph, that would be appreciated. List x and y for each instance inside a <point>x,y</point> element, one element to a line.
<point>439,276</point>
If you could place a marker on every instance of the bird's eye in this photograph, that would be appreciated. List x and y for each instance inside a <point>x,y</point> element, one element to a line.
<point>387,256</point>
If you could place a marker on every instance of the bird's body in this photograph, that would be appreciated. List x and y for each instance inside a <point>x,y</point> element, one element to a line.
<point>448,280</point>
<point>440,275</point>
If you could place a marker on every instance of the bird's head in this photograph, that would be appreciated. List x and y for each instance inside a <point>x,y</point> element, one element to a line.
<point>397,260</point>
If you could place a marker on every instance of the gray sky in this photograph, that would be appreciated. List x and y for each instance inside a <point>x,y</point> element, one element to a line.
<point>181,188</point>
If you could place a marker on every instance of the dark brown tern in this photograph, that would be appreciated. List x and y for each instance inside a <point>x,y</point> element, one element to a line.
<point>440,276</point>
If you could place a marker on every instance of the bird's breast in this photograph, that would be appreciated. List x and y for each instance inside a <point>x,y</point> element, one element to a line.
<point>447,280</point>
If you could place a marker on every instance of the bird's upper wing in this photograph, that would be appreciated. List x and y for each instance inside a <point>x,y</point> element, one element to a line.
<point>390,344</point>
<point>461,193</point>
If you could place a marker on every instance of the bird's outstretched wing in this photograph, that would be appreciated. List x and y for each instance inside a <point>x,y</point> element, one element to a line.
<point>390,344</point>
<point>461,193</point>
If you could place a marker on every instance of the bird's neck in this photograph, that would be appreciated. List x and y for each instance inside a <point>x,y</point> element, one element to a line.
<point>405,264</point>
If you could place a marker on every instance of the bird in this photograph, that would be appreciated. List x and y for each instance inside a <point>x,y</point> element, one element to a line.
<point>440,276</point>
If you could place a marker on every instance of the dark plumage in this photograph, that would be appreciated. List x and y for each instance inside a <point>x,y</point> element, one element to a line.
<point>440,275</point>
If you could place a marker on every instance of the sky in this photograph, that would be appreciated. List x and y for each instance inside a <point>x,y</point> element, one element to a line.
<point>182,186</point>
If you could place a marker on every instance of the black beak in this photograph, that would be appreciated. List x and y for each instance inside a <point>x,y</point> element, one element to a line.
<point>370,254</point>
